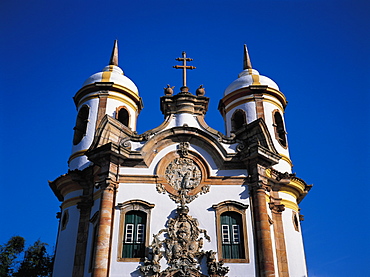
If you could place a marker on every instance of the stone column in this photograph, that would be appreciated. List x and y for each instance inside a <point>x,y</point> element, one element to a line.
<point>103,239</point>
<point>262,231</point>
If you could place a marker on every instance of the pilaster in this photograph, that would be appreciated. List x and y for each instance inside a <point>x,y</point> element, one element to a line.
<point>104,234</point>
<point>282,260</point>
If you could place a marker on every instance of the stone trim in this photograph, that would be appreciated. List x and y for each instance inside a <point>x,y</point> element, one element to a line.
<point>132,205</point>
<point>231,206</point>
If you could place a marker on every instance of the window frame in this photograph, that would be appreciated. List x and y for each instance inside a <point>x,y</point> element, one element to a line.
<point>243,116</point>
<point>129,206</point>
<point>277,125</point>
<point>239,208</point>
<point>81,126</point>
<point>118,110</point>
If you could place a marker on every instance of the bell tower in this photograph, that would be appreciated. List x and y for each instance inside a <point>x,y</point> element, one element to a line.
<point>253,96</point>
<point>107,92</point>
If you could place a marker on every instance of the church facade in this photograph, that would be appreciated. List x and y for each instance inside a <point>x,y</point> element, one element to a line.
<point>181,199</point>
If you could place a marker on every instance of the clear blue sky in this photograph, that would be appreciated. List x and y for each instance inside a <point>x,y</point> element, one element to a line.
<point>316,51</point>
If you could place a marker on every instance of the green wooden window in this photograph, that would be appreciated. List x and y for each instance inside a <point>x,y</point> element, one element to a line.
<point>231,232</point>
<point>134,237</point>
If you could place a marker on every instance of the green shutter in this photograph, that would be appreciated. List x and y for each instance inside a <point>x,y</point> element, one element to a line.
<point>134,235</point>
<point>232,239</point>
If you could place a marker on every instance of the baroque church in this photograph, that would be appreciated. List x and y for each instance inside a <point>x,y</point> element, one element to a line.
<point>181,199</point>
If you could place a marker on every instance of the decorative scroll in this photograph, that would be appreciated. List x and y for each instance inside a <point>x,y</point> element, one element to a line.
<point>181,245</point>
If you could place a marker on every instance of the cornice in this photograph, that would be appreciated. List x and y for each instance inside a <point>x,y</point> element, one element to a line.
<point>107,86</point>
<point>63,185</point>
<point>242,93</point>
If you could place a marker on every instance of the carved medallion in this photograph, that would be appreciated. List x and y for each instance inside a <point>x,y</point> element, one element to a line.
<point>183,176</point>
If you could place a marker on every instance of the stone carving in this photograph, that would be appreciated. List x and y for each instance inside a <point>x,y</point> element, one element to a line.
<point>181,246</point>
<point>215,268</point>
<point>183,175</point>
<point>168,90</point>
<point>184,148</point>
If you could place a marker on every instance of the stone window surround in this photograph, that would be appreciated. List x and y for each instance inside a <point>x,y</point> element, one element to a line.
<point>132,205</point>
<point>231,206</point>
<point>277,137</point>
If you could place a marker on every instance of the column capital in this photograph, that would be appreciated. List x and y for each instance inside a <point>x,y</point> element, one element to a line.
<point>276,208</point>
<point>107,184</point>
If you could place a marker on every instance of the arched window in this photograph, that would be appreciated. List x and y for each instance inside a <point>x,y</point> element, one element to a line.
<point>232,243</point>
<point>280,133</point>
<point>232,237</point>
<point>238,120</point>
<point>134,237</point>
<point>65,219</point>
<point>122,115</point>
<point>81,124</point>
<point>134,230</point>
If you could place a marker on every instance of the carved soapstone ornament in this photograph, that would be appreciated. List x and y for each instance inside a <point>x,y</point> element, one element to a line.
<point>180,243</point>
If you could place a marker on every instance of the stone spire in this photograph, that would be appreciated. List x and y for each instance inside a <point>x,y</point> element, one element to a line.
<point>247,61</point>
<point>114,56</point>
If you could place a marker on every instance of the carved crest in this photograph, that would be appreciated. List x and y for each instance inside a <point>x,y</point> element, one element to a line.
<point>183,175</point>
<point>181,244</point>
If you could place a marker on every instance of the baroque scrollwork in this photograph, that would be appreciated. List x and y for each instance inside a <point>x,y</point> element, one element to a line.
<point>181,243</point>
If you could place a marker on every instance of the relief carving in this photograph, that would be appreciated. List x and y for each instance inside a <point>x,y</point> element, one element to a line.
<point>184,176</point>
<point>180,243</point>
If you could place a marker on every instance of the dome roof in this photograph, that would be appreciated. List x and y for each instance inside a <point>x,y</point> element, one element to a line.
<point>114,74</point>
<point>250,77</point>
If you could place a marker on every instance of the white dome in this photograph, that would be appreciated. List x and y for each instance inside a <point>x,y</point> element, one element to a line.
<point>112,73</point>
<point>250,77</point>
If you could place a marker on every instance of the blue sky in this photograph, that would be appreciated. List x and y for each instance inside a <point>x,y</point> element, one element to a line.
<point>316,51</point>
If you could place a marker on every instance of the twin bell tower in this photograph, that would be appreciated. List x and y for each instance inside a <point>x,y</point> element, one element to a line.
<point>181,199</point>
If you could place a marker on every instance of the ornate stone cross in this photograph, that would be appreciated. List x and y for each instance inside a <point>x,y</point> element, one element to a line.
<point>184,59</point>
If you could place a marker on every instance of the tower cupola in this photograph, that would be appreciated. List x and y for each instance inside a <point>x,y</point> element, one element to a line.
<point>252,96</point>
<point>108,92</point>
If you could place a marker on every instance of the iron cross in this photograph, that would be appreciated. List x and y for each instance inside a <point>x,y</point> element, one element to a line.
<point>184,59</point>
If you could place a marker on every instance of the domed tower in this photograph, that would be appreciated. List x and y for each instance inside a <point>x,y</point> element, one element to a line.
<point>107,92</point>
<point>253,96</point>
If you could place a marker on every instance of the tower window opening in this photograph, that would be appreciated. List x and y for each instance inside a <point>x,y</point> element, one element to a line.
<point>81,124</point>
<point>295,221</point>
<point>238,120</point>
<point>122,116</point>
<point>280,132</point>
<point>65,218</point>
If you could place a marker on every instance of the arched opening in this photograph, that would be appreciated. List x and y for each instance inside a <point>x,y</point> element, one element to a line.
<point>81,124</point>
<point>123,116</point>
<point>280,133</point>
<point>238,120</point>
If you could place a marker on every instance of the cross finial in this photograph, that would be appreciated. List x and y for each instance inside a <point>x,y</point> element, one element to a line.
<point>184,59</point>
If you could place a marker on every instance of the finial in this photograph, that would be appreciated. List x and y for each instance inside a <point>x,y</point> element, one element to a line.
<point>184,59</point>
<point>168,90</point>
<point>114,56</point>
<point>247,61</point>
<point>200,91</point>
